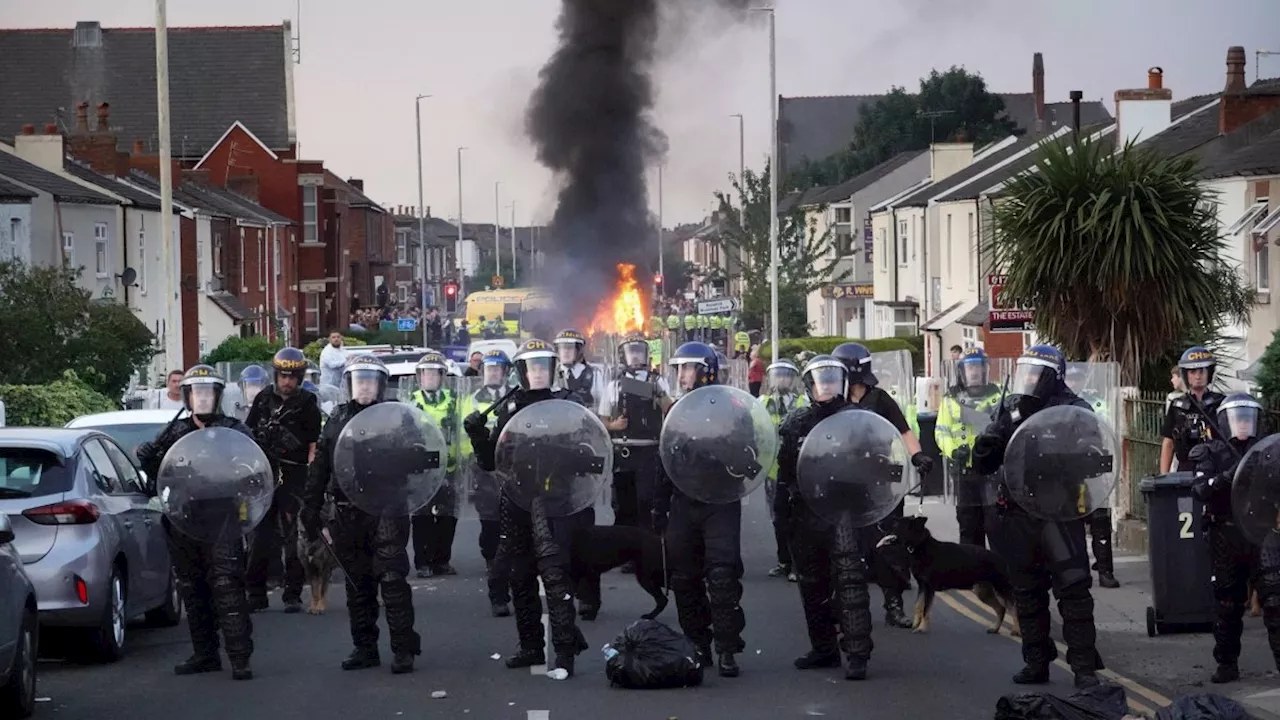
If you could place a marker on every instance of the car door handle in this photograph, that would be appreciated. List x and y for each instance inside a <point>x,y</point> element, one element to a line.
<point>147,521</point>
<point>128,523</point>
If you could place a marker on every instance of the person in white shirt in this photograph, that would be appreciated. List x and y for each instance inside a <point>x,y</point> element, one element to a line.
<point>170,396</point>
<point>575,374</point>
<point>332,360</point>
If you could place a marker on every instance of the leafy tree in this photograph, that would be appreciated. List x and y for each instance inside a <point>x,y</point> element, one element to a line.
<point>1269,373</point>
<point>806,259</point>
<point>53,404</point>
<point>900,121</point>
<point>1119,253</point>
<point>242,349</point>
<point>49,325</point>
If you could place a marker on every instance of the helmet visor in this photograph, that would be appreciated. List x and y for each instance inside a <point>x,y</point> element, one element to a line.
<point>366,386</point>
<point>568,351</point>
<point>781,379</point>
<point>538,372</point>
<point>1242,422</point>
<point>826,383</point>
<point>974,373</point>
<point>1027,378</point>
<point>635,354</point>
<point>202,399</point>
<point>494,375</point>
<point>430,379</point>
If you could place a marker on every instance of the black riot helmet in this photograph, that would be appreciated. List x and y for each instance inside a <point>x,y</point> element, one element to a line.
<point>1240,417</point>
<point>1041,372</point>
<point>633,351</point>
<point>202,388</point>
<point>365,378</point>
<point>857,360</point>
<point>972,369</point>
<point>703,358</point>
<point>538,357</point>
<point>570,347</point>
<point>826,379</point>
<point>289,362</point>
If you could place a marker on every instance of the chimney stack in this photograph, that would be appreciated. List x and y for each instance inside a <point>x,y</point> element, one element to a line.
<point>28,129</point>
<point>1155,78</point>
<point>82,117</point>
<point>1235,69</point>
<point>1076,97</point>
<point>1037,89</point>
<point>104,115</point>
<point>356,183</point>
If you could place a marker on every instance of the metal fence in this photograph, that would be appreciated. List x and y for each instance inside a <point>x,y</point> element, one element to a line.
<point>1143,418</point>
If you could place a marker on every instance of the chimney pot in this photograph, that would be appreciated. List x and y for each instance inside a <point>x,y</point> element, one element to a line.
<point>82,117</point>
<point>104,115</point>
<point>139,147</point>
<point>50,129</point>
<point>29,129</point>
<point>1235,69</point>
<point>1155,78</point>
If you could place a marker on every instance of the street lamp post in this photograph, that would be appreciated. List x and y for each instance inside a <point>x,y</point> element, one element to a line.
<point>513,239</point>
<point>773,179</point>
<point>661,269</point>
<point>462,275</point>
<point>742,147</point>
<point>166,186</point>
<point>422,223</point>
<point>497,232</point>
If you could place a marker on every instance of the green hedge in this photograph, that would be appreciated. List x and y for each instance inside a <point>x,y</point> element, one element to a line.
<point>241,349</point>
<point>52,405</point>
<point>790,347</point>
<point>313,348</point>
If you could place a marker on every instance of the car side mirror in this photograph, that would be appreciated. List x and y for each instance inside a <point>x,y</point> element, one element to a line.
<point>6,530</point>
<point>142,478</point>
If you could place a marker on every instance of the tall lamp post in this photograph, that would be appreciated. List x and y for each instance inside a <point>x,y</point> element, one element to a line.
<point>497,232</point>
<point>462,275</point>
<point>513,239</point>
<point>166,186</point>
<point>773,179</point>
<point>422,223</point>
<point>661,270</point>
<point>742,147</point>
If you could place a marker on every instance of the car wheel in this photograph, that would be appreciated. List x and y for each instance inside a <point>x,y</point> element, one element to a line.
<point>170,613</point>
<point>18,696</point>
<point>107,640</point>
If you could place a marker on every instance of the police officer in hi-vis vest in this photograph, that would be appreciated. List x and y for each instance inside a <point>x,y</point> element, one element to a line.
<point>434,526</point>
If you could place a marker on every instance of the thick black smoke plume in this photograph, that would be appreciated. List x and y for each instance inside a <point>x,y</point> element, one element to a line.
<point>591,121</point>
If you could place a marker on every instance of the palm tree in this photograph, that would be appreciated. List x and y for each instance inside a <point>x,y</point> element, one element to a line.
<point>1119,253</point>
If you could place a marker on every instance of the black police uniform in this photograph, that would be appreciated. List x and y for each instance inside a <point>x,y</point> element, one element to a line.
<point>1186,427</point>
<point>833,584</point>
<point>210,575</point>
<point>286,428</point>
<point>1043,555</point>
<point>635,459</point>
<point>520,562</point>
<point>373,552</point>
<point>1235,559</point>
<point>582,390</point>
<point>486,496</point>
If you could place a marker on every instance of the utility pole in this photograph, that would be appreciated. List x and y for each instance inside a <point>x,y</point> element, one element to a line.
<point>661,270</point>
<point>497,232</point>
<point>171,359</point>
<point>462,275</point>
<point>422,222</point>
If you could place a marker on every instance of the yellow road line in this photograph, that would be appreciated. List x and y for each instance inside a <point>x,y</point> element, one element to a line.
<point>963,608</point>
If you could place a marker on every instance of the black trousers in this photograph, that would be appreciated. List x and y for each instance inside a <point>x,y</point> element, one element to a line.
<point>278,531</point>
<point>1236,561</point>
<point>1268,585</point>
<point>373,553</point>
<point>434,528</point>
<point>831,568</point>
<point>490,537</point>
<point>211,582</point>
<point>528,551</point>
<point>781,532</point>
<point>1099,525</point>
<point>1046,556</point>
<point>633,487</point>
<point>704,552</point>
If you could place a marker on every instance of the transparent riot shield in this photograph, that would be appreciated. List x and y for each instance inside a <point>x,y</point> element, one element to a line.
<point>717,444</point>
<point>1255,494</point>
<point>854,468</point>
<point>1099,385</point>
<point>215,484</point>
<point>441,405</point>
<point>233,402</point>
<point>329,398</point>
<point>1060,463</point>
<point>554,456</point>
<point>481,488</point>
<point>892,369</point>
<point>390,460</point>
<point>962,415</point>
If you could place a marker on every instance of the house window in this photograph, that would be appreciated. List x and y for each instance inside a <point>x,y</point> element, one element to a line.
<point>200,264</point>
<point>882,249</point>
<point>313,313</point>
<point>68,247</point>
<point>947,269</point>
<point>902,243</point>
<point>142,254</point>
<point>402,247</point>
<point>275,255</point>
<point>402,293</point>
<point>310,215</point>
<point>240,257</point>
<point>100,250</point>
<point>973,255</point>
<point>1262,266</point>
<point>262,261</point>
<point>217,254</point>
<point>372,237</point>
<point>10,249</point>
<point>843,214</point>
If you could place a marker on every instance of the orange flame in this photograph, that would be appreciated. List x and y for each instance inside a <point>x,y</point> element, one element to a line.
<point>624,311</point>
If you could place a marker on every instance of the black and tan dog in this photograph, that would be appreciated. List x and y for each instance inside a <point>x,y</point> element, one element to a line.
<point>939,566</point>
<point>600,548</point>
<point>318,563</point>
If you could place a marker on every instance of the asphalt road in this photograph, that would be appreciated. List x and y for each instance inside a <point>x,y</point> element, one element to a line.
<point>956,671</point>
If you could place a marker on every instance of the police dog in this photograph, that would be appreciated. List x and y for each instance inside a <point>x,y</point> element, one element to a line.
<point>598,549</point>
<point>318,563</point>
<point>939,565</point>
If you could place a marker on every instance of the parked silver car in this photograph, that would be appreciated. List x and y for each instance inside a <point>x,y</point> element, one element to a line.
<point>129,428</point>
<point>90,541</point>
<point>19,631</point>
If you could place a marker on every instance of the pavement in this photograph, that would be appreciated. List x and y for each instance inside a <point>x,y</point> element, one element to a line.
<point>956,671</point>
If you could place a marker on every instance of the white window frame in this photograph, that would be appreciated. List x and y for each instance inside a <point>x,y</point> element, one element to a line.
<point>275,254</point>
<point>1268,224</point>
<point>948,269</point>
<point>402,247</point>
<point>903,256</point>
<point>142,254</point>
<point>882,247</point>
<point>402,293</point>
<point>1248,217</point>
<point>215,254</point>
<point>1262,267</point>
<point>243,287</point>
<point>311,226</point>
<point>262,260</point>
<point>311,310</point>
<point>973,255</point>
<point>200,265</point>
<point>101,258</point>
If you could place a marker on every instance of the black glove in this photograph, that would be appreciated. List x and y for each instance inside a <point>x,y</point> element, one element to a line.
<point>986,445</point>
<point>660,520</point>
<point>474,424</point>
<point>961,456</point>
<point>923,463</point>
<point>1200,453</point>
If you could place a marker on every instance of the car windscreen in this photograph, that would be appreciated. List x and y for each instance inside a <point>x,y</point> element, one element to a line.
<point>132,435</point>
<point>27,472</point>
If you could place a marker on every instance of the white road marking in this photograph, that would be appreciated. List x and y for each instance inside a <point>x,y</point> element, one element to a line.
<point>538,715</point>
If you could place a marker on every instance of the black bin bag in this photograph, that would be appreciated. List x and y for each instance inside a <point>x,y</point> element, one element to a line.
<point>1104,701</point>
<point>1203,706</point>
<point>649,655</point>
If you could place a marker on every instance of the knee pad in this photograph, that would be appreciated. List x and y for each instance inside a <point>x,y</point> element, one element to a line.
<point>719,576</point>
<point>1075,602</point>
<point>223,582</point>
<point>391,576</point>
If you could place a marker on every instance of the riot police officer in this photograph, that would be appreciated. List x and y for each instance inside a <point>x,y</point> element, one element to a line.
<point>253,379</point>
<point>632,407</point>
<point>495,368</point>
<point>973,394</point>
<point>889,564</point>
<point>780,397</point>
<point>704,543</point>
<point>535,366</point>
<point>285,419</point>
<point>1099,521</point>
<point>371,549</point>
<point>210,575</point>
<point>1042,554</point>
<point>812,539</point>
<point>1236,560</point>
<point>576,375</point>
<point>1187,421</point>
<point>435,525</point>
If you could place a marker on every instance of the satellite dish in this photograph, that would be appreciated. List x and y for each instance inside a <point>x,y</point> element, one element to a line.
<point>128,277</point>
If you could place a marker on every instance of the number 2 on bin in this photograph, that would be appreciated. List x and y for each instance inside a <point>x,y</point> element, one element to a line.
<point>1185,519</point>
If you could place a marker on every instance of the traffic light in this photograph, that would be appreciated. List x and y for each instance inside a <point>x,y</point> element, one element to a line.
<point>657,279</point>
<point>451,297</point>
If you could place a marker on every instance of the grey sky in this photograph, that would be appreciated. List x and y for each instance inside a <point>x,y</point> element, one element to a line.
<point>363,63</point>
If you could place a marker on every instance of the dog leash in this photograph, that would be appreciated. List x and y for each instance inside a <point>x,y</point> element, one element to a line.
<point>666,581</point>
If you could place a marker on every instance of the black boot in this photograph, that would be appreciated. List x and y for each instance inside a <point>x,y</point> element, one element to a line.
<point>703,656</point>
<point>1032,675</point>
<point>293,605</point>
<point>1086,680</point>
<point>894,615</point>
<point>362,658</point>
<point>440,569</point>
<point>402,663</point>
<point>780,570</point>
<point>423,572</point>
<point>198,664</point>
<point>1107,579</point>
<point>258,603</point>
<point>856,669</point>
<point>729,666</point>
<point>500,610</point>
<point>527,657</point>
<point>240,670</point>
<point>565,662</point>
<point>588,612</point>
<point>1226,672</point>
<point>814,659</point>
